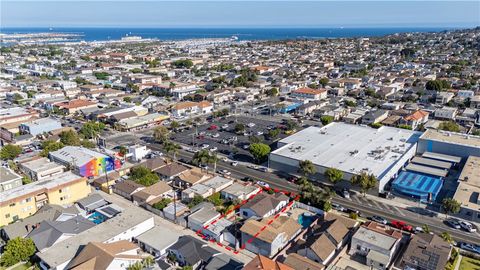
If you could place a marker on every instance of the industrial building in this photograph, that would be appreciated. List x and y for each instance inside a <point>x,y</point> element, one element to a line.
<point>449,143</point>
<point>417,186</point>
<point>349,148</point>
<point>40,126</point>
<point>468,190</point>
<point>86,162</point>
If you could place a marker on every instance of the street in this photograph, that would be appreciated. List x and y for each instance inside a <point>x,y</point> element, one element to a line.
<point>367,207</point>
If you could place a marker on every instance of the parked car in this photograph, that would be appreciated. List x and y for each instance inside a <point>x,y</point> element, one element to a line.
<point>263,184</point>
<point>380,220</point>
<point>292,179</point>
<point>213,149</point>
<point>346,193</point>
<point>205,146</point>
<point>224,172</point>
<point>402,225</point>
<point>251,124</point>
<point>470,247</point>
<point>216,135</point>
<point>338,207</point>
<point>234,163</point>
<point>259,133</point>
<point>452,222</point>
<point>467,226</point>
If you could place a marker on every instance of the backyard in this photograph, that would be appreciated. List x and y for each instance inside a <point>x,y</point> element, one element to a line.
<point>469,264</point>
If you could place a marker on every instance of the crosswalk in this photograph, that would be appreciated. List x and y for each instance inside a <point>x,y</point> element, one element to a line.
<point>378,205</point>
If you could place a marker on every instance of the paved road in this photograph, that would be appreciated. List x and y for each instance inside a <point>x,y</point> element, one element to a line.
<point>366,206</point>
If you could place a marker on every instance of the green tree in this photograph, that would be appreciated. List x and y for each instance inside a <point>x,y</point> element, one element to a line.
<point>197,199</point>
<point>326,119</point>
<point>450,206</point>
<point>334,175</point>
<point>143,176</point>
<point>259,151</point>
<point>272,92</point>
<point>273,133</point>
<point>148,261</point>
<point>350,103</point>
<point>291,124</point>
<point>127,99</point>
<point>174,125</point>
<point>50,146</point>
<point>449,126</point>
<point>447,237</point>
<point>239,128</point>
<point>364,181</point>
<point>164,202</point>
<point>101,75</point>
<point>171,147</point>
<point>323,81</point>
<point>307,168</point>
<point>183,63</point>
<point>91,129</point>
<point>136,70</point>
<point>17,250</point>
<point>425,228</point>
<point>216,199</point>
<point>10,152</point>
<point>87,144</point>
<point>135,266</point>
<point>69,137</point>
<point>160,134</point>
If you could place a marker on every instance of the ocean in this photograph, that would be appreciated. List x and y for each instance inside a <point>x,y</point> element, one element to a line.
<point>102,34</point>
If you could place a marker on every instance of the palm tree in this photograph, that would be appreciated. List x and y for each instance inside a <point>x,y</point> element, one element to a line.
<point>135,266</point>
<point>306,167</point>
<point>447,237</point>
<point>171,147</point>
<point>327,194</point>
<point>148,261</point>
<point>425,228</point>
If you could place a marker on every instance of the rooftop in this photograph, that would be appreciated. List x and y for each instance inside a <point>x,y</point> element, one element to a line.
<point>375,238</point>
<point>48,183</point>
<point>66,250</point>
<point>41,164</point>
<point>350,148</point>
<point>77,154</point>
<point>7,175</point>
<point>451,137</point>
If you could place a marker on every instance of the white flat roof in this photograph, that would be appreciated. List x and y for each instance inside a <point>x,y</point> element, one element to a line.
<point>350,148</point>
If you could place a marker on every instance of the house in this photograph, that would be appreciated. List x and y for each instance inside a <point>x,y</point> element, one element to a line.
<point>297,261</point>
<point>130,223</point>
<point>48,233</point>
<point>415,119</point>
<point>426,252</point>
<point>206,188</point>
<point>261,262</point>
<point>174,210</point>
<point>91,203</point>
<point>106,182</point>
<point>115,255</point>
<point>264,205</point>
<point>153,192</point>
<point>40,126</point>
<point>475,102</point>
<point>443,97</point>
<point>273,238</point>
<point>223,262</point>
<point>84,161</point>
<point>204,214</point>
<point>150,241</point>
<point>51,212</point>
<point>239,191</point>
<point>374,117</point>
<point>127,188</point>
<point>446,113</point>
<point>377,242</point>
<point>9,179</point>
<point>323,240</point>
<point>189,108</point>
<point>74,106</point>
<point>154,163</point>
<point>22,201</point>
<point>41,168</point>
<point>309,93</point>
<point>185,177</point>
<point>190,251</point>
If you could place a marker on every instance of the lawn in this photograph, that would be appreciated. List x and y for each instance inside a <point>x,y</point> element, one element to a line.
<point>469,264</point>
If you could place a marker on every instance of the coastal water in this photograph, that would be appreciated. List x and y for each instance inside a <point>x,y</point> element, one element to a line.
<point>101,34</point>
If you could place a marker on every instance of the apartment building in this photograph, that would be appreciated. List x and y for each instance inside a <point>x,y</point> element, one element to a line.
<point>40,169</point>
<point>25,200</point>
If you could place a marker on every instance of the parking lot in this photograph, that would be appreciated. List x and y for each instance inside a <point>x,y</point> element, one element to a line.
<point>219,135</point>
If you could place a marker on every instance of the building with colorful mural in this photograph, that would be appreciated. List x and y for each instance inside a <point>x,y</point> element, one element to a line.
<point>84,161</point>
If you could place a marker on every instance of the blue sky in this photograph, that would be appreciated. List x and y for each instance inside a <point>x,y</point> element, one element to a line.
<point>357,13</point>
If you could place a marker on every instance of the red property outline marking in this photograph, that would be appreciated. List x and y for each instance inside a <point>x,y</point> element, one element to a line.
<point>235,251</point>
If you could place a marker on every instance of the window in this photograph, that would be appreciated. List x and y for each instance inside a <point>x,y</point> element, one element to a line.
<point>12,205</point>
<point>28,199</point>
<point>7,216</point>
<point>381,265</point>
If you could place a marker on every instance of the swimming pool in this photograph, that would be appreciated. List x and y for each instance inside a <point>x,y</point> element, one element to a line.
<point>306,220</point>
<point>97,218</point>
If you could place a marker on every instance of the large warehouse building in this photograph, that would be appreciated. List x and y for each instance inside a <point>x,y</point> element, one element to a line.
<point>349,148</point>
<point>449,143</point>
